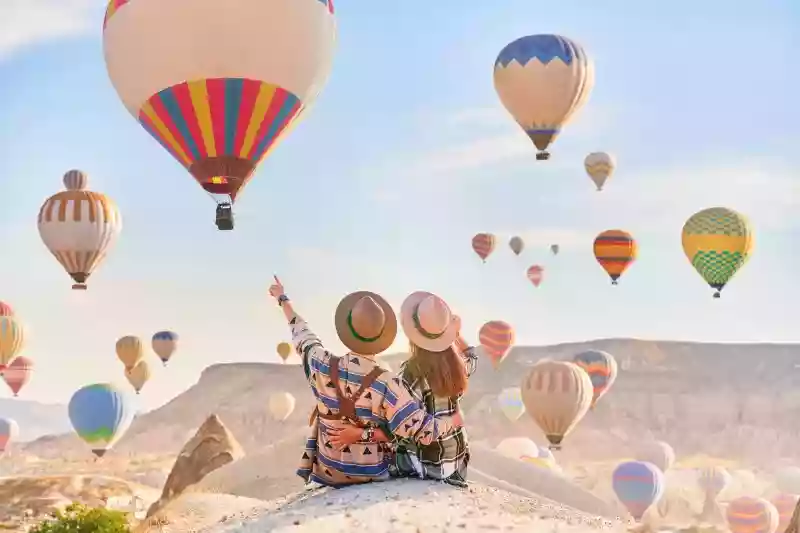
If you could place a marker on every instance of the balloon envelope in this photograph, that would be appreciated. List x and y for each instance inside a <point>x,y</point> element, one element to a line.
<point>600,166</point>
<point>496,338</point>
<point>129,351</point>
<point>79,227</point>
<point>510,402</point>
<point>5,309</point>
<point>717,242</point>
<point>220,102</point>
<point>164,345</point>
<point>659,453</point>
<point>284,350</point>
<point>535,275</point>
<point>483,244</point>
<point>18,373</point>
<point>785,505</point>
<point>138,375</point>
<point>542,80</point>
<point>100,415</point>
<point>602,369</point>
<point>516,244</point>
<point>751,515</point>
<point>557,395</point>
<point>9,430</point>
<point>281,405</point>
<point>638,485</point>
<point>12,339</point>
<point>615,250</point>
<point>554,248</point>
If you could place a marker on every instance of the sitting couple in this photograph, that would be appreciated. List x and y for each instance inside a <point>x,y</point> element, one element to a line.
<point>370,424</point>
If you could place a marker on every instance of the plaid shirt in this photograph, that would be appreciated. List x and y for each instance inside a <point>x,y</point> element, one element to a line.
<point>447,458</point>
<point>386,403</point>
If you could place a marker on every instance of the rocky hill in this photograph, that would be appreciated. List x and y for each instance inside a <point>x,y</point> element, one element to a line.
<point>734,400</point>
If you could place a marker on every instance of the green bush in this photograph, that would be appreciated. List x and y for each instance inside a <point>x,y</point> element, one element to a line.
<point>78,518</point>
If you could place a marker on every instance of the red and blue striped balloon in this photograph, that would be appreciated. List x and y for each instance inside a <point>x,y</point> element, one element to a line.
<point>638,485</point>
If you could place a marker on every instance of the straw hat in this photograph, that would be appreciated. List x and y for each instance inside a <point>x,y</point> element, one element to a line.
<point>365,323</point>
<point>427,321</point>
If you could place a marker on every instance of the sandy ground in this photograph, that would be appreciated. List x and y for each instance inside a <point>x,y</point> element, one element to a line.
<point>413,506</point>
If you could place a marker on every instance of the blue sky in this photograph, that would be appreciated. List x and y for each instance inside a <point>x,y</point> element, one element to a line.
<point>404,157</point>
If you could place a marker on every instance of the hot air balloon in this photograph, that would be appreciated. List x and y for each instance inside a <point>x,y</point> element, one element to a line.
<point>638,485</point>
<point>164,344</point>
<point>516,244</point>
<point>284,350</point>
<point>5,309</point>
<point>615,250</point>
<point>483,244</point>
<point>600,166</point>
<point>602,370</point>
<point>138,375</point>
<point>542,80</point>
<point>659,453</point>
<point>717,241</point>
<point>554,248</point>
<point>496,338</point>
<point>129,351</point>
<point>535,274</point>
<point>517,447</point>
<point>557,395</point>
<point>100,414</point>
<point>713,480</point>
<point>751,515</point>
<point>219,104</point>
<point>788,480</point>
<point>785,505</point>
<point>510,402</point>
<point>543,458</point>
<point>12,338</point>
<point>79,227</point>
<point>281,405</point>
<point>9,430</point>
<point>18,373</point>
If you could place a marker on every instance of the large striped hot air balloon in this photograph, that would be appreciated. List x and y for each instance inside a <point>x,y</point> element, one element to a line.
<point>164,345</point>
<point>9,430</point>
<point>615,250</point>
<point>496,338</point>
<point>602,370</point>
<point>600,166</point>
<point>717,242</point>
<point>5,309</point>
<point>557,395</point>
<point>79,227</point>
<point>535,275</point>
<point>638,485</point>
<point>542,80</point>
<point>751,515</point>
<point>785,504</point>
<point>510,402</point>
<point>129,351</point>
<point>12,339</point>
<point>100,414</point>
<point>483,245</point>
<point>235,80</point>
<point>18,373</point>
<point>657,452</point>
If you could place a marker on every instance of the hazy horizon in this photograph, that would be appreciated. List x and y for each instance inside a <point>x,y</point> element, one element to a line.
<point>406,155</point>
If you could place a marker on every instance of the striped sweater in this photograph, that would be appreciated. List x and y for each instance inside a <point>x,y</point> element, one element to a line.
<point>385,404</point>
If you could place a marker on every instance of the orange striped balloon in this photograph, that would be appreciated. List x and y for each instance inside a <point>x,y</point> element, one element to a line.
<point>785,504</point>
<point>496,338</point>
<point>615,250</point>
<point>483,244</point>
<point>752,515</point>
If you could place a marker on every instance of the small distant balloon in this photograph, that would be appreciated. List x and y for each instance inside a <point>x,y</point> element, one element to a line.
<point>483,245</point>
<point>129,351</point>
<point>18,374</point>
<point>164,345</point>
<point>516,244</point>
<point>554,248</point>
<point>100,414</point>
<point>600,166</point>
<point>638,485</point>
<point>12,339</point>
<point>752,515</point>
<point>602,369</point>
<point>535,275</point>
<point>284,350</point>
<point>281,405</point>
<point>510,402</point>
<point>9,430</point>
<point>615,250</point>
<point>496,338</point>
<point>138,375</point>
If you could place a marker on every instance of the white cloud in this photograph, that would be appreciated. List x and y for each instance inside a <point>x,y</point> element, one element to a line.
<point>28,22</point>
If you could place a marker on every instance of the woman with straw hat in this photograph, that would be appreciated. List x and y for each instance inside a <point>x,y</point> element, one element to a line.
<point>436,373</point>
<point>352,391</point>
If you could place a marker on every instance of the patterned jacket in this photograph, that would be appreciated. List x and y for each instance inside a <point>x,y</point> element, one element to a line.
<point>386,403</point>
<point>446,458</point>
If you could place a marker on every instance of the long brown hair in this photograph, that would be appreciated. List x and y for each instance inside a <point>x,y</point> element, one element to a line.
<point>444,371</point>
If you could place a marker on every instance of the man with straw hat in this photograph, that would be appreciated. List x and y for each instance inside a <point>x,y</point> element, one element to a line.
<point>354,390</point>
